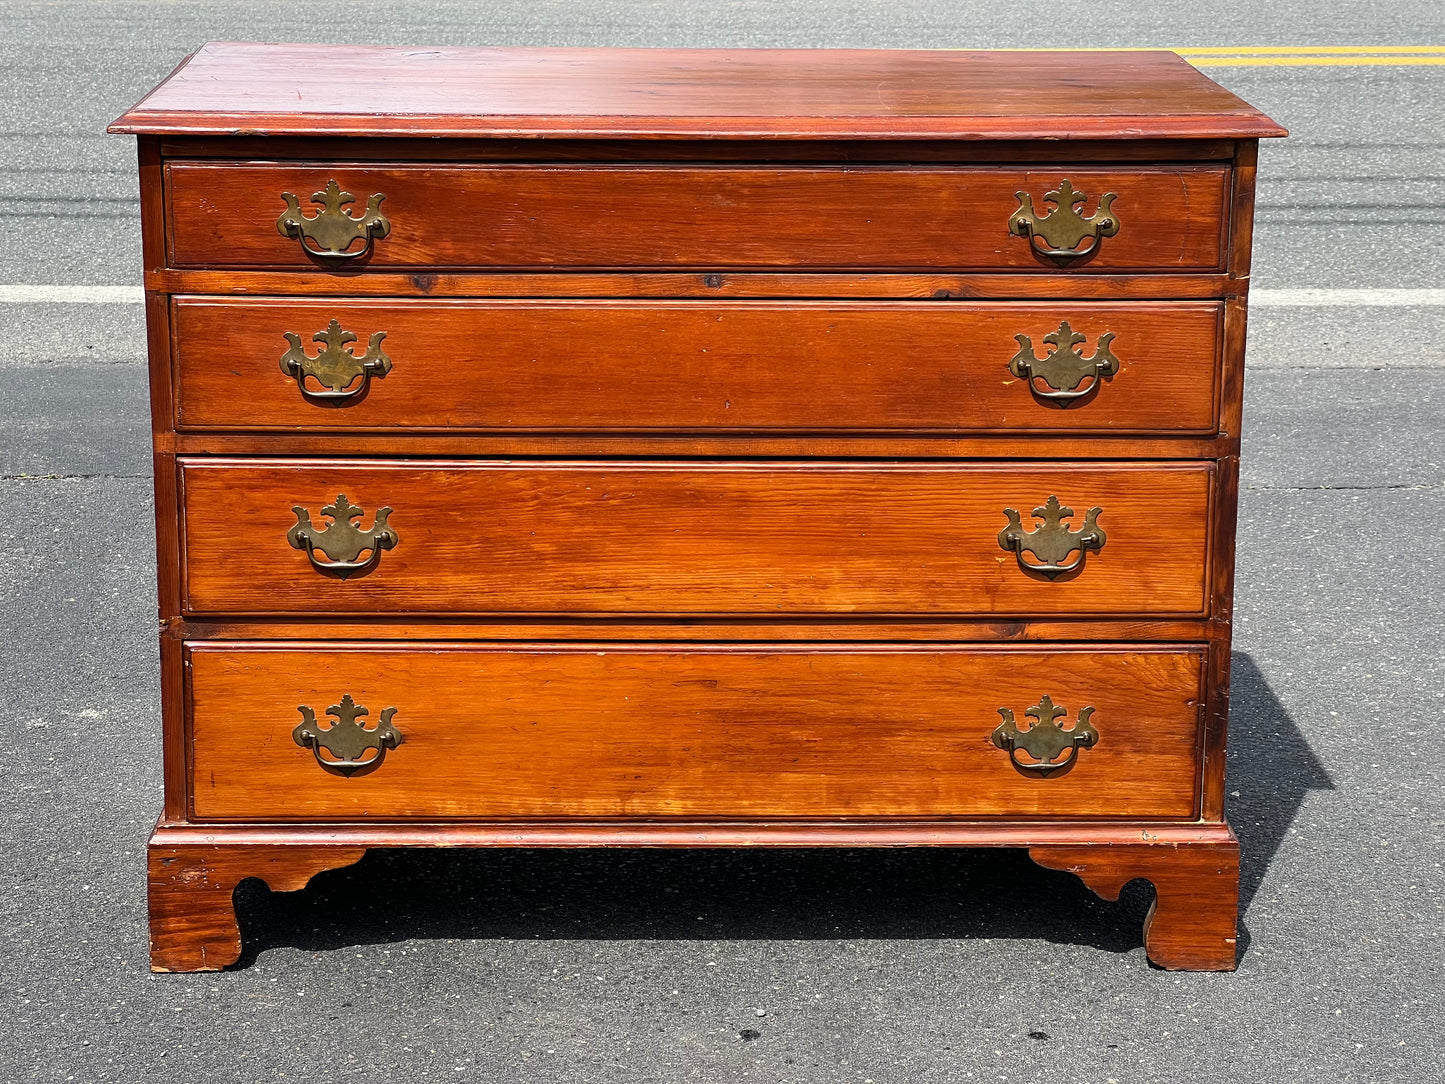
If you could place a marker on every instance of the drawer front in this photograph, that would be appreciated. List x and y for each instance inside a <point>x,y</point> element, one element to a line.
<point>664,538</point>
<point>673,731</point>
<point>634,366</point>
<point>707,218</point>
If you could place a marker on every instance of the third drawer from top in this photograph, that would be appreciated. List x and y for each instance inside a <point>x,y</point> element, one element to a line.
<point>754,538</point>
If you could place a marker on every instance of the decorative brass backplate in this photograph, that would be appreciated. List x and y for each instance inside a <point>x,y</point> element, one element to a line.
<point>344,377</point>
<point>1052,542</point>
<point>1064,369</point>
<point>342,540</point>
<point>332,231</point>
<point>1063,228</point>
<point>347,739</point>
<point>1045,741</point>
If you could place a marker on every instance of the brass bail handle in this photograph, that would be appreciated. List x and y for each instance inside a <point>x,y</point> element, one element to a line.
<point>343,540</point>
<point>1053,541</point>
<point>345,378</point>
<point>1058,234</point>
<point>330,233</point>
<point>347,739</point>
<point>1067,376</point>
<point>1052,750</point>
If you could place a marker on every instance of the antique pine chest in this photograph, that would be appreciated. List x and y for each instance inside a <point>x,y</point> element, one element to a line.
<point>565,447</point>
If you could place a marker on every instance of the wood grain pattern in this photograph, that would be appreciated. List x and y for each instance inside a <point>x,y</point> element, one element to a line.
<point>772,629</point>
<point>695,538</point>
<point>194,868</point>
<point>498,216</point>
<point>725,446</point>
<point>1216,727</point>
<point>1231,396</point>
<point>1216,720</point>
<point>1192,925</point>
<point>533,366</point>
<point>557,150</point>
<point>192,888</point>
<point>742,282</point>
<point>175,743</point>
<point>703,732</point>
<point>150,168</point>
<point>163,460</point>
<point>175,728</point>
<point>237,88</point>
<point>709,285</point>
<point>1241,240</point>
<point>862,832</point>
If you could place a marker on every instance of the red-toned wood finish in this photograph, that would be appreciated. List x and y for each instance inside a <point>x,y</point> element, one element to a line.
<point>723,446</point>
<point>792,629</point>
<point>712,218</point>
<point>711,285</point>
<point>620,832</point>
<point>1194,868</point>
<point>240,89</point>
<point>696,732</point>
<point>610,366</point>
<point>1191,925</point>
<point>714,151</point>
<point>192,888</point>
<point>698,438</point>
<point>756,538</point>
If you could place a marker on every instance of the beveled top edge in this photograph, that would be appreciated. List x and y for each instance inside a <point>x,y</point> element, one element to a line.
<point>237,88</point>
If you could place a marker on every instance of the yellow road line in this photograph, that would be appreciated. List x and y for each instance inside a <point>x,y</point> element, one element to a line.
<point>1288,56</point>
<point>1221,50</point>
<point>1310,50</point>
<point>1303,61</point>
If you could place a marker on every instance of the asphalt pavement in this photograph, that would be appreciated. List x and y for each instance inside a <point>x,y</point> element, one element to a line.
<point>888,967</point>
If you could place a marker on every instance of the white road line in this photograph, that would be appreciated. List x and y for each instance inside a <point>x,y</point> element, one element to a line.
<point>71,295</point>
<point>1346,299</point>
<point>1263,298</point>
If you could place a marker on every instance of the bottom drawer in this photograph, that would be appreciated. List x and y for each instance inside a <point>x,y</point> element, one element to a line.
<point>690,731</point>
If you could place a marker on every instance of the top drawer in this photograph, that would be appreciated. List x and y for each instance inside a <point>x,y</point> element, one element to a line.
<point>702,217</point>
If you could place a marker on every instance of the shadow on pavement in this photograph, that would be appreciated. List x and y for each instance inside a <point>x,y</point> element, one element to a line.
<point>1271,769</point>
<point>768,894</point>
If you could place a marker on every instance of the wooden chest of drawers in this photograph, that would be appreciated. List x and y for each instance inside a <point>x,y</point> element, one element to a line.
<point>672,448</point>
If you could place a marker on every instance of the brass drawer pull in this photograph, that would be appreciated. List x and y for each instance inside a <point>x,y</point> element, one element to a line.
<point>1052,542</point>
<point>1068,374</point>
<point>1063,228</point>
<point>1045,741</point>
<point>344,377</point>
<point>341,539</point>
<point>331,231</point>
<point>347,739</point>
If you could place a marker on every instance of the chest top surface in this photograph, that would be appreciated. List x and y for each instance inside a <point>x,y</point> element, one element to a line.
<point>236,88</point>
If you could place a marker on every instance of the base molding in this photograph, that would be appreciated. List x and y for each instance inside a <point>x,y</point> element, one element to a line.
<point>781,833</point>
<point>194,868</point>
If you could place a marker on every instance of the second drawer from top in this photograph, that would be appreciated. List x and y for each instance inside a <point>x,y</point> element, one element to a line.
<point>1065,368</point>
